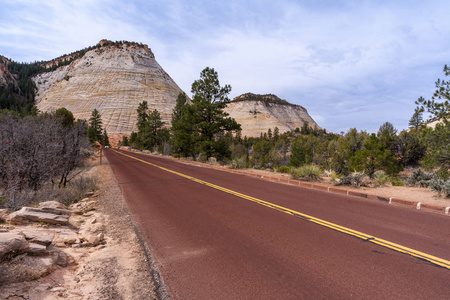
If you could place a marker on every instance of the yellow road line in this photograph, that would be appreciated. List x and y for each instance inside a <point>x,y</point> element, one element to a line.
<point>368,238</point>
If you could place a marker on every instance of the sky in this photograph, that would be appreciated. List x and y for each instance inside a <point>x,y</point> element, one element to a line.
<point>350,63</point>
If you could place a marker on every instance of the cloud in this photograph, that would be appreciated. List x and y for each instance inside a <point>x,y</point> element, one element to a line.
<point>354,63</point>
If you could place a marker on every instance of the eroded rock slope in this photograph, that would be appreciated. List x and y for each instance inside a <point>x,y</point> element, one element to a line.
<point>113,79</point>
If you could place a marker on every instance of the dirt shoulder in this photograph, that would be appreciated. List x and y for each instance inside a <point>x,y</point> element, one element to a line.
<point>117,269</point>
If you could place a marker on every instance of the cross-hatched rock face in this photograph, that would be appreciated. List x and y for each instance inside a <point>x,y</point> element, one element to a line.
<point>113,79</point>
<point>257,117</point>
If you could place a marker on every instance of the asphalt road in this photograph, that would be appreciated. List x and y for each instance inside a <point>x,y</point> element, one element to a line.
<point>217,235</point>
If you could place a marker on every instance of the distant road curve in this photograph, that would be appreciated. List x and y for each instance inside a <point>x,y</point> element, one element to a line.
<point>218,235</point>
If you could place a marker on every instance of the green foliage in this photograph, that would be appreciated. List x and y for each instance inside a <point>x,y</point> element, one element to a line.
<point>264,155</point>
<point>437,139</point>
<point>183,134</point>
<point>397,181</point>
<point>298,153</point>
<point>439,105</point>
<point>375,156</point>
<point>283,169</point>
<point>142,115</point>
<point>387,134</point>
<point>125,141</point>
<point>95,129</point>
<point>438,147</point>
<point>151,133</point>
<point>105,139</point>
<point>381,177</point>
<point>65,116</point>
<point>441,186</point>
<point>419,178</point>
<point>310,172</point>
<point>200,127</point>
<point>422,179</point>
<point>238,163</point>
<point>410,148</point>
<point>417,118</point>
<point>355,179</point>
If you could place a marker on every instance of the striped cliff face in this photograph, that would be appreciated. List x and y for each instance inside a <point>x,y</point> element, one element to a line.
<point>257,117</point>
<point>113,79</point>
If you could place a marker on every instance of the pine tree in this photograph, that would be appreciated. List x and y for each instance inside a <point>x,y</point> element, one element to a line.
<point>417,118</point>
<point>142,114</point>
<point>206,117</point>
<point>95,130</point>
<point>105,139</point>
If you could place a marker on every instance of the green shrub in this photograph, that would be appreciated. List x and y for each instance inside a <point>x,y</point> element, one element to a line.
<point>441,186</point>
<point>334,176</point>
<point>419,178</point>
<point>238,163</point>
<point>397,181</point>
<point>355,179</point>
<point>307,172</point>
<point>381,177</point>
<point>283,169</point>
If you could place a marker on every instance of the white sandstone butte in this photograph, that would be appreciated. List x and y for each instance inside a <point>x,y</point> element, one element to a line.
<point>256,116</point>
<point>112,78</point>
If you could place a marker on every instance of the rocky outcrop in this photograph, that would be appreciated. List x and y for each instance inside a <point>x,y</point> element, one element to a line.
<point>5,76</point>
<point>114,79</point>
<point>257,116</point>
<point>46,215</point>
<point>28,252</point>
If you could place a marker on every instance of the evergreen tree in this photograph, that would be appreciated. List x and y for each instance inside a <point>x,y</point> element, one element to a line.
<point>65,116</point>
<point>298,153</point>
<point>95,130</point>
<point>150,133</point>
<point>177,112</point>
<point>276,133</point>
<point>387,134</point>
<point>125,141</point>
<point>375,156</point>
<point>438,139</point>
<point>142,114</point>
<point>105,139</point>
<point>417,118</point>
<point>203,123</point>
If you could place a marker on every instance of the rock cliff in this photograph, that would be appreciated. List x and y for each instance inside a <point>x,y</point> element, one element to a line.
<point>258,113</point>
<point>115,77</point>
<point>5,76</point>
<point>112,78</point>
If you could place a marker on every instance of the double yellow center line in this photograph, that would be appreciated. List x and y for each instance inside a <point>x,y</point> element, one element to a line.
<point>368,238</point>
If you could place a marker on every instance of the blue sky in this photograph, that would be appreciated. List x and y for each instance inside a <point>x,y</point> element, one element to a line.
<point>349,63</point>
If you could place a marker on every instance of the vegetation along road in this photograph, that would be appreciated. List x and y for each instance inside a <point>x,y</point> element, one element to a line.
<point>217,235</point>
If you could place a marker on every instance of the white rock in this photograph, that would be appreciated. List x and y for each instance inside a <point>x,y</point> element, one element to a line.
<point>48,215</point>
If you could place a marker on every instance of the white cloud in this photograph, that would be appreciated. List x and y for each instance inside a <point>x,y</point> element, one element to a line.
<point>352,63</point>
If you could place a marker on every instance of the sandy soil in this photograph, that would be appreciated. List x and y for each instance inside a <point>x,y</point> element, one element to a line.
<point>115,270</point>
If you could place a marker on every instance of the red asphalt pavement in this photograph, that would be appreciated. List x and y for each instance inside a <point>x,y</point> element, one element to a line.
<point>212,245</point>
